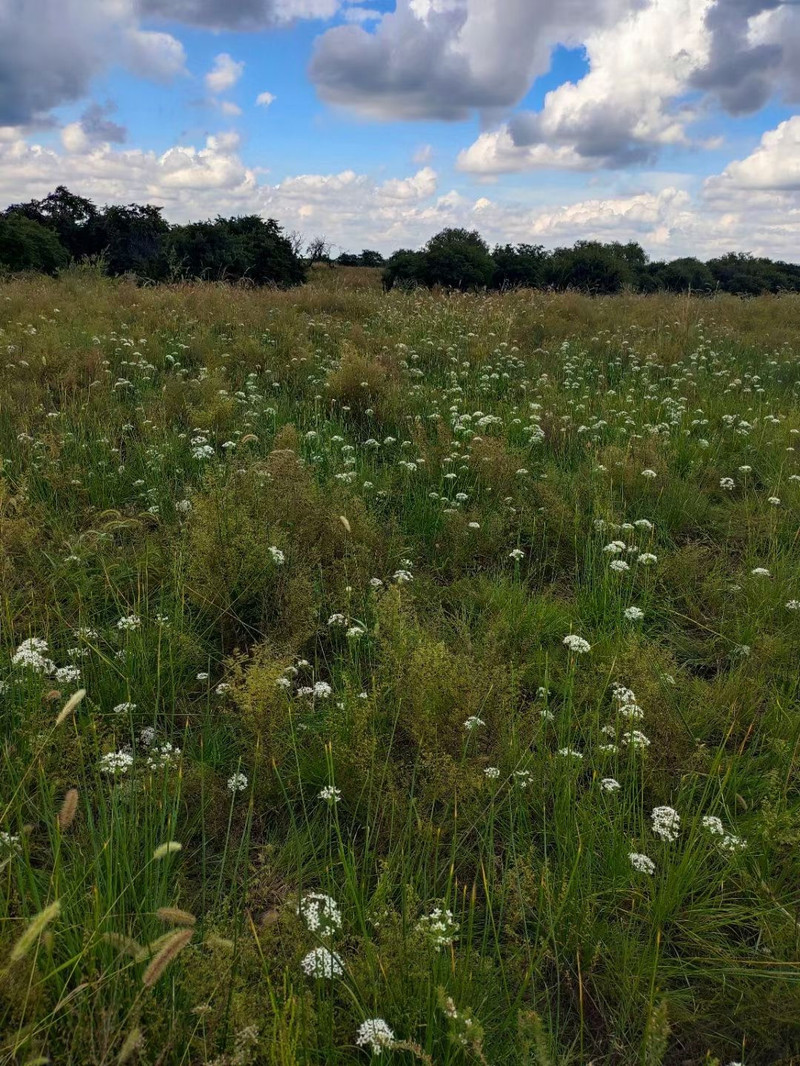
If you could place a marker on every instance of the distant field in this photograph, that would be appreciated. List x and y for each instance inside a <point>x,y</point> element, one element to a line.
<point>440,658</point>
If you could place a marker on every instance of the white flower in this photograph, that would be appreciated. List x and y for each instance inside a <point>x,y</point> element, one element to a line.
<point>402,577</point>
<point>619,566</point>
<point>729,842</point>
<point>610,784</point>
<point>642,863</point>
<point>793,605</point>
<point>320,913</point>
<point>354,632</point>
<point>492,772</point>
<point>283,682</point>
<point>65,674</point>
<point>615,547</point>
<point>644,523</point>
<point>473,525</point>
<point>277,555</point>
<point>473,722</point>
<point>774,500</point>
<point>124,708</point>
<point>516,554</point>
<point>376,1034</point>
<point>129,621</point>
<point>570,752</point>
<point>116,762</point>
<point>321,962</point>
<point>760,571</point>
<point>634,614</point>
<point>577,645</point>
<point>10,841</point>
<point>647,558</point>
<point>635,739</point>
<point>337,619</point>
<point>222,688</point>
<point>727,483</point>
<point>322,690</point>
<point>439,926</point>
<point>330,794</point>
<point>30,653</point>
<point>666,823</point>
<point>523,778</point>
<point>649,473</point>
<point>202,676</point>
<point>237,782</point>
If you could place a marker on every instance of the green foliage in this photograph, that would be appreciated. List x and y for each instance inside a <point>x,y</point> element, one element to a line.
<point>28,245</point>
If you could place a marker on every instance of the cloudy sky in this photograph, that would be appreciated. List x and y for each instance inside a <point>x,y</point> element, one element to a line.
<point>378,122</point>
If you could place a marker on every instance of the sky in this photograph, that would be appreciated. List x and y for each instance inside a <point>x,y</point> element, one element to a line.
<point>376,123</point>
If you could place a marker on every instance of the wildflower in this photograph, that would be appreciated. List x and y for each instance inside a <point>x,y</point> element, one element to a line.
<point>650,474</point>
<point>375,583</point>
<point>577,645</point>
<point>129,622</point>
<point>439,926</point>
<point>642,863</point>
<point>202,676</point>
<point>30,654</point>
<point>222,688</point>
<point>10,842</point>
<point>376,1034</point>
<point>492,772</point>
<point>320,913</point>
<point>619,566</point>
<point>322,690</point>
<point>729,842</point>
<point>727,483</point>
<point>330,794</point>
<point>760,571</point>
<point>337,620</point>
<point>647,558</point>
<point>793,605</point>
<point>124,708</point>
<point>635,739</point>
<point>66,674</point>
<point>402,577</point>
<point>523,778</point>
<point>570,752</point>
<point>634,614</point>
<point>610,784</point>
<point>615,547</point>
<point>354,632</point>
<point>116,762</point>
<point>278,556</point>
<point>644,523</point>
<point>516,554</point>
<point>666,823</point>
<point>237,782</point>
<point>322,962</point>
<point>473,722</point>
<point>774,500</point>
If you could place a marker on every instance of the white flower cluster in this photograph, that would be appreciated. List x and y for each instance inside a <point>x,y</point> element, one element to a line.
<point>666,823</point>
<point>31,654</point>
<point>729,842</point>
<point>440,927</point>
<point>322,962</point>
<point>642,863</point>
<point>375,1034</point>
<point>577,645</point>
<point>320,913</point>
<point>237,782</point>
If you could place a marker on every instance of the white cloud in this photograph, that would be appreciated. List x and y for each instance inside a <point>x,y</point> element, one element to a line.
<point>737,210</point>
<point>773,166</point>
<point>229,108</point>
<point>423,155</point>
<point>51,49</point>
<point>265,99</point>
<point>622,110</point>
<point>224,74</point>
<point>444,58</point>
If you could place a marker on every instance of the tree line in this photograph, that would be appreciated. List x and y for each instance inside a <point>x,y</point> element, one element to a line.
<point>45,235</point>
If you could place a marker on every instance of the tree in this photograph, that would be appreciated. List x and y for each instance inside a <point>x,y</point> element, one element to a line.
<point>71,217</point>
<point>405,269</point>
<point>520,265</point>
<point>458,259</point>
<point>368,258</point>
<point>133,240</point>
<point>235,249</point>
<point>319,251</point>
<point>590,265</point>
<point>686,274</point>
<point>29,245</point>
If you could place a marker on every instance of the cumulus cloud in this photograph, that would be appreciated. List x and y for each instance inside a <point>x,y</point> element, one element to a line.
<point>224,73</point>
<point>754,53</point>
<point>774,166</point>
<point>737,210</point>
<point>445,58</point>
<point>237,14</point>
<point>622,111</point>
<point>51,49</point>
<point>265,99</point>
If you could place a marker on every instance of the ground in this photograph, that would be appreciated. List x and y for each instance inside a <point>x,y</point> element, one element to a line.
<point>408,675</point>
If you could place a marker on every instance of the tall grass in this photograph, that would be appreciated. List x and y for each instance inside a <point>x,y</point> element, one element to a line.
<point>313,556</point>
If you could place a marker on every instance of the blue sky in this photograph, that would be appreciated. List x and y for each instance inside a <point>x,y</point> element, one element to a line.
<point>671,122</point>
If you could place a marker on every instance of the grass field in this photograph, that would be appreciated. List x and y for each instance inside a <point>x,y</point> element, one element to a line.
<point>440,659</point>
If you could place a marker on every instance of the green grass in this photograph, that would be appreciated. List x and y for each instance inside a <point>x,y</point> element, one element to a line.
<point>324,488</point>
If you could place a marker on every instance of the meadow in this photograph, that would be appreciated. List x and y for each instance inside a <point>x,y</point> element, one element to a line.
<point>401,677</point>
